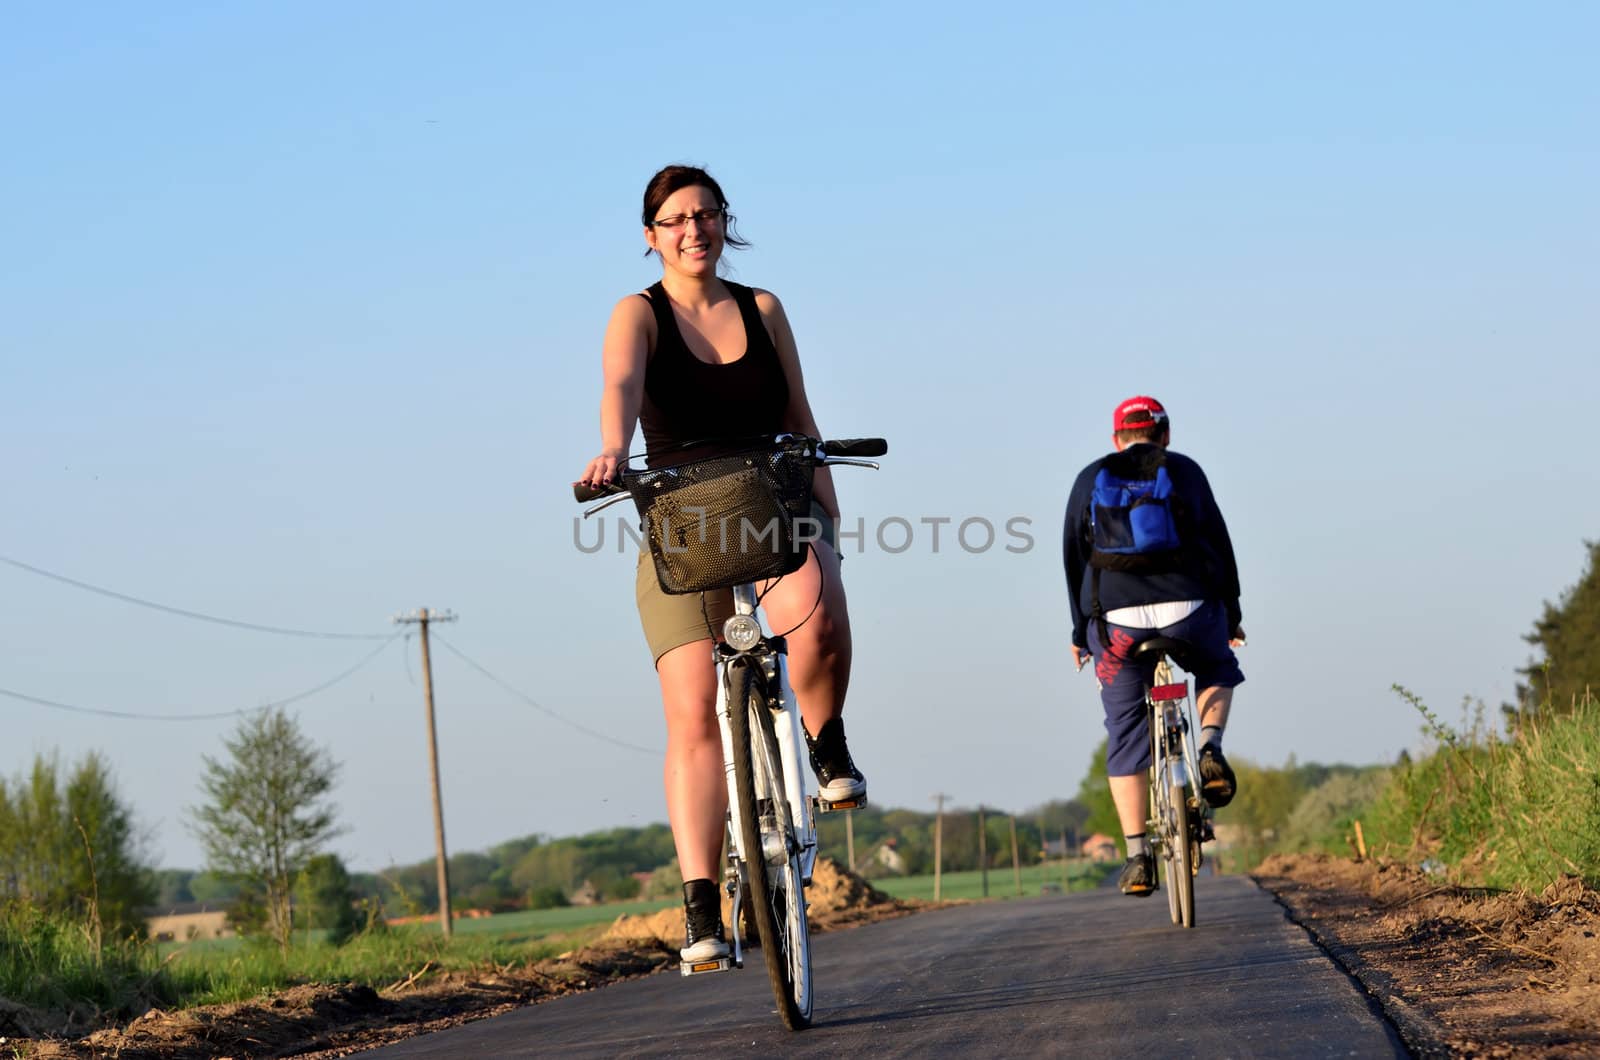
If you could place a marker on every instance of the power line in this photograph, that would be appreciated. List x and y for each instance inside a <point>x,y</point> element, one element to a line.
<point>202,717</point>
<point>536,705</point>
<point>280,630</point>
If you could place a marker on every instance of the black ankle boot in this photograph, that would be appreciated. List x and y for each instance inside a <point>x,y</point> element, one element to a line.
<point>702,919</point>
<point>837,776</point>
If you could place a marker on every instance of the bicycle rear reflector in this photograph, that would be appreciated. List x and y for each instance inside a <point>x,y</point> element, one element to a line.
<point>1162,693</point>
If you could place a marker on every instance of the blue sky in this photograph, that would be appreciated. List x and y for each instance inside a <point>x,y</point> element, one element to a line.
<point>300,317</point>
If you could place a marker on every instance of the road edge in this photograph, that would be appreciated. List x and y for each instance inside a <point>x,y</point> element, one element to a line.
<point>1421,1034</point>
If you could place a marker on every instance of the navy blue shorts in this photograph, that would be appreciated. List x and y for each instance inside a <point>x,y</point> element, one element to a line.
<point>1122,684</point>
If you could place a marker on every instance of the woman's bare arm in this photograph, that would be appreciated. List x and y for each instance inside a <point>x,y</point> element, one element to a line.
<point>623,357</point>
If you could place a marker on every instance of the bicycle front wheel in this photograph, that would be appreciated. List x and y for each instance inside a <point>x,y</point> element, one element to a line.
<point>772,857</point>
<point>1180,860</point>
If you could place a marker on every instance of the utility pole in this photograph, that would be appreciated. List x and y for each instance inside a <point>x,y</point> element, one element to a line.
<point>850,837</point>
<point>983,850</point>
<point>422,617</point>
<point>938,846</point>
<point>1016,863</point>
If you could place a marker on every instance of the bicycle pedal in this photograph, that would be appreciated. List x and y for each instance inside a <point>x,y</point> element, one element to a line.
<point>720,964</point>
<point>824,806</point>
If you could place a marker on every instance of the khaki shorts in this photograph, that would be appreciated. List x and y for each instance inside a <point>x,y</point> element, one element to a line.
<point>671,621</point>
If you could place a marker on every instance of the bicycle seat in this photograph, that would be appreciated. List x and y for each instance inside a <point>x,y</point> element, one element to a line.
<point>1178,650</point>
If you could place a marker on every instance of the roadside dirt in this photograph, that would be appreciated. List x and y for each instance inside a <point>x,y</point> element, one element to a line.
<point>1462,972</point>
<point>320,1022</point>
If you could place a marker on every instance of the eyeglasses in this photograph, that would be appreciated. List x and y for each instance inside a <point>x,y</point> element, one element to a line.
<point>701,218</point>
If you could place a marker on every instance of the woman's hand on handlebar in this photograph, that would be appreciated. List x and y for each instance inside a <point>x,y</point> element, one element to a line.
<point>603,469</point>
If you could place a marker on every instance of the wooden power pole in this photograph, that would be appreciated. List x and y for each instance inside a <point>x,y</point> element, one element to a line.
<point>983,850</point>
<point>938,846</point>
<point>422,618</point>
<point>850,837</point>
<point>1016,862</point>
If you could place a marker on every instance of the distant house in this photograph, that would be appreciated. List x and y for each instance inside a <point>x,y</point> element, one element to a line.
<point>187,921</point>
<point>890,858</point>
<point>1099,848</point>
<point>587,894</point>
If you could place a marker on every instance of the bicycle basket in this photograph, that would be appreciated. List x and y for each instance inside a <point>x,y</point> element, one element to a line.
<point>726,520</point>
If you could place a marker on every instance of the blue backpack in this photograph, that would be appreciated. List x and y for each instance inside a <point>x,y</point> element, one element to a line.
<point>1131,522</point>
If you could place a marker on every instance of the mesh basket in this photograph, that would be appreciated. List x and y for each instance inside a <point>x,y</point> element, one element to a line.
<point>726,520</point>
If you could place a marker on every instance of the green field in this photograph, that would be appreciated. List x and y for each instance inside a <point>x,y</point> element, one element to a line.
<point>1076,876</point>
<point>530,924</point>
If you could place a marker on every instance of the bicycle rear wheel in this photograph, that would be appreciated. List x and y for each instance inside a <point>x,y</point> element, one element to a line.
<point>772,857</point>
<point>1180,861</point>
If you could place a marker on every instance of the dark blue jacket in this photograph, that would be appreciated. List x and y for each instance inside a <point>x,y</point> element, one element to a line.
<point>1205,571</point>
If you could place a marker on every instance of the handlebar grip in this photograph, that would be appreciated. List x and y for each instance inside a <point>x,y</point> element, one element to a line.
<point>856,447</point>
<point>584,493</point>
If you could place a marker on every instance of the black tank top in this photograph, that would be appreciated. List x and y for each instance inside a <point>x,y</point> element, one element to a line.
<point>688,400</point>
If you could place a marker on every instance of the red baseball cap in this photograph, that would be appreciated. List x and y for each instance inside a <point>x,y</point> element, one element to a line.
<point>1120,419</point>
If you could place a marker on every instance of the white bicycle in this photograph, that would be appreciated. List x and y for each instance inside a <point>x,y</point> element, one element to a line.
<point>688,511</point>
<point>1180,820</point>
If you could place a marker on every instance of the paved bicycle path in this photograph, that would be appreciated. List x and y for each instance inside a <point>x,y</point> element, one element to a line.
<point>1068,975</point>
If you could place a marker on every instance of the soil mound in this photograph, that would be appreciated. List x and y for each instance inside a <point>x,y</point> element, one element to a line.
<point>836,898</point>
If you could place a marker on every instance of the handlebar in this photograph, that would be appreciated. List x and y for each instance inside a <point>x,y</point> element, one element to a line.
<point>842,449</point>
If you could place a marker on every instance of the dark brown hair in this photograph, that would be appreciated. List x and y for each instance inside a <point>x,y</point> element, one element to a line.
<point>670,179</point>
<point>1147,428</point>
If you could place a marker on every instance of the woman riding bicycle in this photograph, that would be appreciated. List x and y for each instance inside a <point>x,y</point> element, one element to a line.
<point>693,358</point>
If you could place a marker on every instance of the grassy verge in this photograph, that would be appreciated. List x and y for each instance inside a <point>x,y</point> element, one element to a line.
<point>51,964</point>
<point>1517,812</point>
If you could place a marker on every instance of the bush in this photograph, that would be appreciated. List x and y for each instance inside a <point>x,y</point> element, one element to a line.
<point>547,898</point>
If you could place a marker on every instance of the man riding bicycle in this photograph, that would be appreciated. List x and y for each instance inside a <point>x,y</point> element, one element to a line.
<point>1147,555</point>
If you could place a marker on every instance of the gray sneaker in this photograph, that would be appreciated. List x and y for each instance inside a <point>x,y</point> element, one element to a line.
<point>1138,879</point>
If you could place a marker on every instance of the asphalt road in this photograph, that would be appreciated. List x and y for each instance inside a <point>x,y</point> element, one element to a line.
<point>1068,975</point>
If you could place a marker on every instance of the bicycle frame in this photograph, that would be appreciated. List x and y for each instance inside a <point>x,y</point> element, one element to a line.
<point>1173,757</point>
<point>790,738</point>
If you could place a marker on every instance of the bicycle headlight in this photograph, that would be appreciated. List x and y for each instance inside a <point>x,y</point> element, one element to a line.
<point>742,632</point>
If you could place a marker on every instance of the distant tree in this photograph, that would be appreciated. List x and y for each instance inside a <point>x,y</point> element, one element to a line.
<point>1567,635</point>
<point>1095,794</point>
<point>73,847</point>
<point>211,887</point>
<point>326,899</point>
<point>264,816</point>
<point>171,887</point>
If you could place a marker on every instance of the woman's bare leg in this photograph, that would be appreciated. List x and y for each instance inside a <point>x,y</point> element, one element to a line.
<point>819,650</point>
<point>697,798</point>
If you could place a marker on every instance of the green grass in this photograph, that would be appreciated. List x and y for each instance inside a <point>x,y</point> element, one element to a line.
<point>1503,813</point>
<point>1078,876</point>
<point>51,965</point>
<point>523,926</point>
<point>207,976</point>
